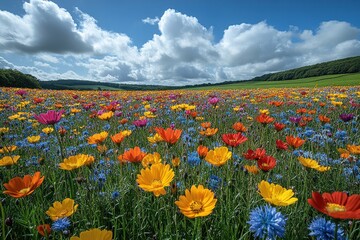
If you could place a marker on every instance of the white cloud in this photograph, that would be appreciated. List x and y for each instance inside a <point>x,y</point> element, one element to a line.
<point>151,21</point>
<point>184,52</point>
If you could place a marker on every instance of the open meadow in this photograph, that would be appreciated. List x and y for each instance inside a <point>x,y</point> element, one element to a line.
<point>200,164</point>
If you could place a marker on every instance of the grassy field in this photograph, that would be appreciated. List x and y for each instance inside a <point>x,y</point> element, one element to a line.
<point>322,81</point>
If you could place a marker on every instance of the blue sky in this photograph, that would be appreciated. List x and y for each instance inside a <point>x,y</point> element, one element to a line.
<point>173,41</point>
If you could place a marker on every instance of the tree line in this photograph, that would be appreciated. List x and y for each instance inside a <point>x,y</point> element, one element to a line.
<point>15,78</point>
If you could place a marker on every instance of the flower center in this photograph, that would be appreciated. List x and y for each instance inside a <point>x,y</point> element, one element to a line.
<point>24,190</point>
<point>63,212</point>
<point>333,207</point>
<point>156,183</point>
<point>196,206</point>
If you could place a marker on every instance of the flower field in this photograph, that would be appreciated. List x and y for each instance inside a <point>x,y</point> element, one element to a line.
<point>234,164</point>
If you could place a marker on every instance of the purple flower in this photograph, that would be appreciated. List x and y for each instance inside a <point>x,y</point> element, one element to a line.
<point>49,118</point>
<point>346,117</point>
<point>21,92</point>
<point>295,120</point>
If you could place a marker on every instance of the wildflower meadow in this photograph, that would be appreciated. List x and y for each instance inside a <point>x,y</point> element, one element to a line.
<point>181,164</point>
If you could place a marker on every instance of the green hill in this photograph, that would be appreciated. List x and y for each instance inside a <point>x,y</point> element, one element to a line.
<point>14,78</point>
<point>341,66</point>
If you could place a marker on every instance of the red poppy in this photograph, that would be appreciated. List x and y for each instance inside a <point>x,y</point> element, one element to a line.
<point>266,163</point>
<point>169,135</point>
<point>295,142</point>
<point>233,139</point>
<point>279,126</point>
<point>255,155</point>
<point>281,145</point>
<point>337,204</point>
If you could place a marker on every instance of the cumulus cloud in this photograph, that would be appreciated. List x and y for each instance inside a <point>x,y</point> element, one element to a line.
<point>151,21</point>
<point>184,51</point>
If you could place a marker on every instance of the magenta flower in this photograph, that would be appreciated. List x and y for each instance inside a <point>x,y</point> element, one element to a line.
<point>213,100</point>
<point>49,118</point>
<point>21,92</point>
<point>140,122</point>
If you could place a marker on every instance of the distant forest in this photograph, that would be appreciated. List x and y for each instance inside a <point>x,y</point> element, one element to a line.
<point>14,78</point>
<point>342,66</point>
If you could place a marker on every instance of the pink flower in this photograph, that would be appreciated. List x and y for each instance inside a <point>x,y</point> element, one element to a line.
<point>49,118</point>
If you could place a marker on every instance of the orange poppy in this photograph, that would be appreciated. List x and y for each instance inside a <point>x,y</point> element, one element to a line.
<point>281,145</point>
<point>294,142</point>
<point>169,135</point>
<point>239,127</point>
<point>323,118</point>
<point>233,139</point>
<point>205,124</point>
<point>264,119</point>
<point>134,155</point>
<point>209,132</point>
<point>337,204</point>
<point>44,230</point>
<point>301,110</point>
<point>202,151</point>
<point>117,138</point>
<point>123,121</point>
<point>21,187</point>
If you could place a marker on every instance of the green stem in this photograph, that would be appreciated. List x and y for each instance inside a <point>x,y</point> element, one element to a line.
<point>60,143</point>
<point>3,221</point>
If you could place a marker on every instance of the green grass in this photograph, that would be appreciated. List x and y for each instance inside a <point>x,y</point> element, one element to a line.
<point>321,81</point>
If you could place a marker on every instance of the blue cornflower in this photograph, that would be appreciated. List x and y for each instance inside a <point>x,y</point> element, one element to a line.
<point>214,182</point>
<point>115,194</point>
<point>61,224</point>
<point>193,159</point>
<point>325,230</point>
<point>265,221</point>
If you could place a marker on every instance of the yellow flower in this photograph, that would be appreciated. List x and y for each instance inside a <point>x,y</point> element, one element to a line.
<point>219,156</point>
<point>149,114</point>
<point>48,130</point>
<point>276,194</point>
<point>61,210</point>
<point>4,130</point>
<point>106,115</point>
<point>199,118</point>
<point>353,149</point>
<point>9,160</point>
<point>33,139</point>
<point>76,161</point>
<point>7,149</point>
<point>13,117</point>
<point>252,169</point>
<point>155,178</point>
<point>198,202</point>
<point>126,133</point>
<point>156,138</point>
<point>264,111</point>
<point>336,103</point>
<point>310,163</point>
<point>94,234</point>
<point>151,159</point>
<point>97,138</point>
<point>75,110</point>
